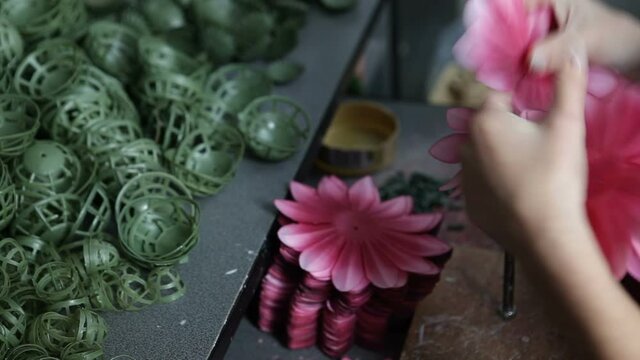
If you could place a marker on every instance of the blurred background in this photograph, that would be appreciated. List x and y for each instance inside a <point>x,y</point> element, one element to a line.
<point>425,33</point>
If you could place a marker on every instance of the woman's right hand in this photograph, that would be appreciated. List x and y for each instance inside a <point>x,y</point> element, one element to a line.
<point>610,37</point>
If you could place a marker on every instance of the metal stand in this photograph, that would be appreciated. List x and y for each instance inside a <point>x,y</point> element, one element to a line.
<point>508,310</point>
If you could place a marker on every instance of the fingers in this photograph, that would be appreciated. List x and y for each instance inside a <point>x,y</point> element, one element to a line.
<point>535,4</point>
<point>498,101</point>
<point>571,90</point>
<point>551,53</point>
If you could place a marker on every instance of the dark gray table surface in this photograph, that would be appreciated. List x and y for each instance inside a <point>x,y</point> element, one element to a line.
<point>421,126</point>
<point>234,224</point>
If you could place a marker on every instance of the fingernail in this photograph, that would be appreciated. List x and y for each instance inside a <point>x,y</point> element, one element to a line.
<point>538,62</point>
<point>578,59</point>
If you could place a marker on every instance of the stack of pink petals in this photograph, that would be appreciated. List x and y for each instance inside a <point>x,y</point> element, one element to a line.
<point>343,249</point>
<point>498,52</point>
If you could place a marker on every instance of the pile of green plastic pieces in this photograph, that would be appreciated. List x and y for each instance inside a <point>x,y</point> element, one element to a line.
<point>119,113</point>
<point>422,188</point>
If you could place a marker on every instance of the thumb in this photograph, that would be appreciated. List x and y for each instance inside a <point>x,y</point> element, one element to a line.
<point>571,91</point>
<point>551,53</point>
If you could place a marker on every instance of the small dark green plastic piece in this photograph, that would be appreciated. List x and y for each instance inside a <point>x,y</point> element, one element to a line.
<point>338,5</point>
<point>156,55</point>
<point>253,34</point>
<point>114,48</point>
<point>284,72</point>
<point>274,127</point>
<point>219,44</point>
<point>163,15</point>
<point>285,39</point>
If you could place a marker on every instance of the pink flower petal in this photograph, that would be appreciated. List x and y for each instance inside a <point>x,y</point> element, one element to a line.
<point>301,236</point>
<point>454,183</point>
<point>414,223</point>
<point>613,233</point>
<point>300,213</point>
<point>348,273</point>
<point>322,255</point>
<point>602,82</point>
<point>392,208</point>
<point>333,189</point>
<point>364,194</point>
<point>303,193</point>
<point>633,260</point>
<point>421,245</point>
<point>534,92</point>
<point>447,149</point>
<point>380,270</point>
<point>405,260</point>
<point>459,119</point>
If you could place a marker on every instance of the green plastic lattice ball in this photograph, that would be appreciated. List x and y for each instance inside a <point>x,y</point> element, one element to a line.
<point>51,218</point>
<point>55,281</point>
<point>13,259</point>
<point>19,122</point>
<point>207,159</point>
<point>167,283</point>
<point>274,127</point>
<point>13,322</point>
<point>235,86</point>
<point>47,167</point>
<point>8,197</point>
<point>153,184</point>
<point>158,231</point>
<point>48,69</point>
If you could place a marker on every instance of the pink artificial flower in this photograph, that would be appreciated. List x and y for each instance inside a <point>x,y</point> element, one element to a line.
<point>348,235</point>
<point>613,204</point>
<point>613,149</point>
<point>497,44</point>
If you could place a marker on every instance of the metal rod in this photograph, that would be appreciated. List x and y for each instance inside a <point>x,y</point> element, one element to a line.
<point>394,39</point>
<point>508,310</point>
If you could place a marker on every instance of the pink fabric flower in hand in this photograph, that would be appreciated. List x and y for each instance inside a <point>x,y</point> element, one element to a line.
<point>497,46</point>
<point>348,235</point>
<point>613,203</point>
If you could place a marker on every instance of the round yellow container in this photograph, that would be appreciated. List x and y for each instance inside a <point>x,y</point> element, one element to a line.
<point>360,140</point>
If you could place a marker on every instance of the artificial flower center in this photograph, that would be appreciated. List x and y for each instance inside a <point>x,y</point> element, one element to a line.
<point>351,225</point>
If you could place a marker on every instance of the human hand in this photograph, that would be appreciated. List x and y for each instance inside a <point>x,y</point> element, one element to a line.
<point>610,37</point>
<point>522,177</point>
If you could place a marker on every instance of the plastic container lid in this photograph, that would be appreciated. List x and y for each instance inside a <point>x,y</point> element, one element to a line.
<point>360,140</point>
